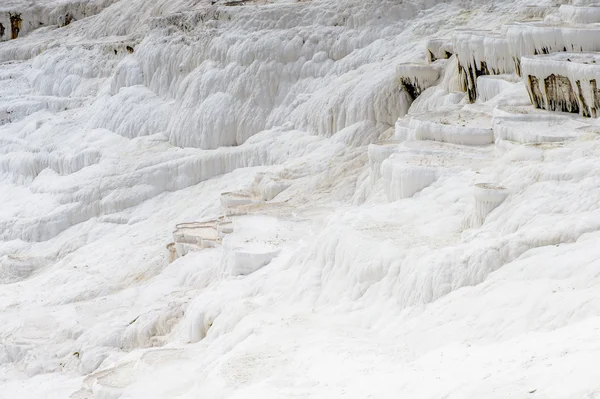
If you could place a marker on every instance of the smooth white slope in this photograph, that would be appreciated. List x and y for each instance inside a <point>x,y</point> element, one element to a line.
<point>366,297</point>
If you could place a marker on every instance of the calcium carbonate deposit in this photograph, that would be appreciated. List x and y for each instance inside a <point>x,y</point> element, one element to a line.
<point>299,199</point>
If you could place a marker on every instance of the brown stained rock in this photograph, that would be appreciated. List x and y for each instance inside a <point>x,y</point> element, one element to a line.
<point>596,93</point>
<point>517,62</point>
<point>413,89</point>
<point>129,49</point>
<point>468,77</point>
<point>2,29</point>
<point>15,25</point>
<point>560,94</point>
<point>535,94</point>
<point>585,110</point>
<point>431,57</point>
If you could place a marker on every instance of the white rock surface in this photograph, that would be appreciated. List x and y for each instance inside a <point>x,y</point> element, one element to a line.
<point>488,196</point>
<point>137,115</point>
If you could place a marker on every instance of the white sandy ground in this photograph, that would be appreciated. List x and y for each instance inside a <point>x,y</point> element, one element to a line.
<point>103,153</point>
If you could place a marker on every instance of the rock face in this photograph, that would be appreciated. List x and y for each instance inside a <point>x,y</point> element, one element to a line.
<point>415,78</point>
<point>439,49</point>
<point>379,152</point>
<point>19,18</point>
<point>481,53</point>
<point>15,25</point>
<point>565,82</point>
<point>283,199</point>
<point>488,197</point>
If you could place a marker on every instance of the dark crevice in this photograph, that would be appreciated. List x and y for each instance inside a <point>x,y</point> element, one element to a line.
<point>15,25</point>
<point>596,94</point>
<point>413,89</point>
<point>560,94</point>
<point>535,93</point>
<point>585,110</point>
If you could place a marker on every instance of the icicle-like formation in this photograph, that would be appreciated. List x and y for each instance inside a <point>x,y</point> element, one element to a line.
<point>480,53</point>
<point>540,38</point>
<point>566,82</point>
<point>445,94</point>
<point>379,152</point>
<point>403,180</point>
<point>401,129</point>
<point>417,77</point>
<point>439,49</point>
<point>490,86</point>
<point>487,198</point>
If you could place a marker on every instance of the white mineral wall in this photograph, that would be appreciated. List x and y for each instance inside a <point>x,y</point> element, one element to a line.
<point>564,82</point>
<point>538,38</point>
<point>122,125</point>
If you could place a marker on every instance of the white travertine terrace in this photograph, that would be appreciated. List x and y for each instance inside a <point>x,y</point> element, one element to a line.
<point>457,126</point>
<point>415,78</point>
<point>253,244</point>
<point>194,236</point>
<point>439,49</point>
<point>565,82</point>
<point>415,165</point>
<point>401,129</point>
<point>488,197</point>
<point>526,39</point>
<point>489,86</point>
<point>580,14</point>
<point>481,53</point>
<point>235,199</point>
<point>122,118</point>
<point>521,125</point>
<point>379,152</point>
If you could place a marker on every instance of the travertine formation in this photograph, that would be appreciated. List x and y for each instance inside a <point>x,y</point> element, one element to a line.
<point>488,196</point>
<point>566,82</point>
<point>558,82</point>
